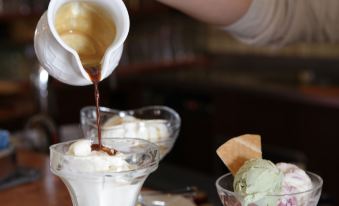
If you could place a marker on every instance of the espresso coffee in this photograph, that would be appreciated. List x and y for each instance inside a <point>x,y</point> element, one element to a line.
<point>95,74</point>
<point>87,28</point>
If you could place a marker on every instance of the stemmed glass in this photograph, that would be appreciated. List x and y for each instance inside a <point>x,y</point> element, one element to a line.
<point>310,197</point>
<point>87,182</point>
<point>157,124</point>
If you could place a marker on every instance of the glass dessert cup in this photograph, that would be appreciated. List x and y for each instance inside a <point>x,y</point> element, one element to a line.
<point>105,188</point>
<point>224,185</point>
<point>150,116</point>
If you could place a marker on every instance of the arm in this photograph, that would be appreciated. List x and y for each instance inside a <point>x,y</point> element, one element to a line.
<point>219,12</point>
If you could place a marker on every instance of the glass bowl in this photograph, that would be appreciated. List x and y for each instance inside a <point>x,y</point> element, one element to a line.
<point>157,124</point>
<point>91,180</point>
<point>310,197</point>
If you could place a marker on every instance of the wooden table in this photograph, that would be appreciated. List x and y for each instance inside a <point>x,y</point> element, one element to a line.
<point>48,190</point>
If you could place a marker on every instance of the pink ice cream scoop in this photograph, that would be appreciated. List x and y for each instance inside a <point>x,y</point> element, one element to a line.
<point>295,180</point>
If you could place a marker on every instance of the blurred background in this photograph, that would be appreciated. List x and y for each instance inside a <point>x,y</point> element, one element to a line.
<point>220,87</point>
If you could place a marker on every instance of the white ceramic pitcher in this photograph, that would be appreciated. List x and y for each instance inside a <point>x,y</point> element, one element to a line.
<point>61,61</point>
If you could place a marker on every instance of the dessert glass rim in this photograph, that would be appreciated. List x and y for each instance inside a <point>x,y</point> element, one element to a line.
<point>176,124</point>
<point>151,145</point>
<point>314,187</point>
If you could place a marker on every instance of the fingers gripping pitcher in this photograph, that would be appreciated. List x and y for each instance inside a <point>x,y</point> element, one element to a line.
<point>74,37</point>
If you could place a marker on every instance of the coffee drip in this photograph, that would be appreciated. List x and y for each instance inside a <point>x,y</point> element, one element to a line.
<point>89,30</point>
<point>95,74</point>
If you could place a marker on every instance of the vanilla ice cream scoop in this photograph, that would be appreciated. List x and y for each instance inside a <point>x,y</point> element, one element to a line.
<point>154,130</point>
<point>80,148</point>
<point>129,126</point>
<point>81,158</point>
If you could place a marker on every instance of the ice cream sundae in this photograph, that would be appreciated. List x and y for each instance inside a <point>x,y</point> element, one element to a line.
<point>254,181</point>
<point>157,124</point>
<point>102,178</point>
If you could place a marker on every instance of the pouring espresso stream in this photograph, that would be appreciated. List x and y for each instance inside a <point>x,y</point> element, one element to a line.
<point>95,75</point>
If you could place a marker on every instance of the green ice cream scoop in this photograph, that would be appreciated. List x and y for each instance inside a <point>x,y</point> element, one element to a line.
<point>256,179</point>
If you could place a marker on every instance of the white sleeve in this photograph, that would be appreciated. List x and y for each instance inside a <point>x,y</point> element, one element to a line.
<point>279,22</point>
